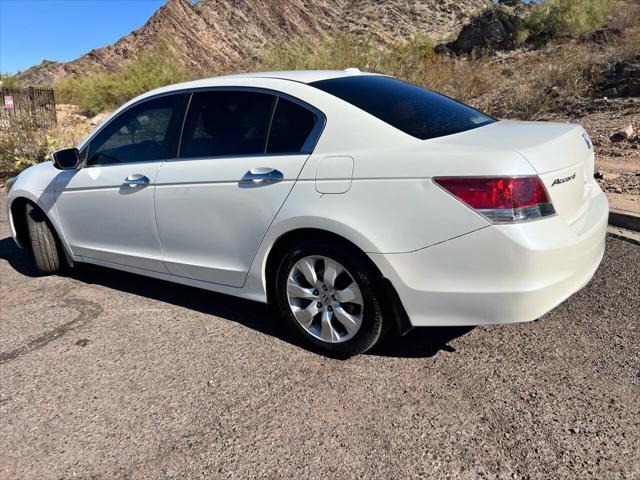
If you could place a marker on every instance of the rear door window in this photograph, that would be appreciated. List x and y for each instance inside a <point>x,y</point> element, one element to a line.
<point>416,111</point>
<point>290,128</point>
<point>224,123</point>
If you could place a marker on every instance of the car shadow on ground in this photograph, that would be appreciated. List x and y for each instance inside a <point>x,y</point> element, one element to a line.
<point>19,259</point>
<point>421,342</point>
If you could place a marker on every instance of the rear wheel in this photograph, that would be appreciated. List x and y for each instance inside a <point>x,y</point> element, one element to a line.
<point>44,245</point>
<point>326,293</point>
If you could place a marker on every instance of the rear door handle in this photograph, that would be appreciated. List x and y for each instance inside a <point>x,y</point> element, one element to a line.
<point>136,180</point>
<point>259,176</point>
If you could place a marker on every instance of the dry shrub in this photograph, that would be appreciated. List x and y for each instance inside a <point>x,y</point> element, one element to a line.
<point>625,14</point>
<point>536,83</point>
<point>627,46</point>
<point>23,143</point>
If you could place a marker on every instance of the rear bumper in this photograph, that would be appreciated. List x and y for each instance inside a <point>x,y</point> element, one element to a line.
<point>502,273</point>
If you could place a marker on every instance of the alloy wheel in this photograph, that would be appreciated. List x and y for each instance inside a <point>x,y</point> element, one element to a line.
<point>325,299</point>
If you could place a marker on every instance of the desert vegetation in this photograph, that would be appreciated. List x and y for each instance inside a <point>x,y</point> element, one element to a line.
<point>527,82</point>
<point>556,62</point>
<point>564,18</point>
<point>25,143</point>
<point>102,91</point>
<point>8,81</point>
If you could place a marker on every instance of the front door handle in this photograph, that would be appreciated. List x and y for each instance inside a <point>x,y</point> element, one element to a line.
<point>259,176</point>
<point>136,180</point>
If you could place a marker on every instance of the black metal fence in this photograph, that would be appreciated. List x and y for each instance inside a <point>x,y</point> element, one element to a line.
<point>35,105</point>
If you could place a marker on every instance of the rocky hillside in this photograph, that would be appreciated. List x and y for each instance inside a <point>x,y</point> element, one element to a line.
<point>214,36</point>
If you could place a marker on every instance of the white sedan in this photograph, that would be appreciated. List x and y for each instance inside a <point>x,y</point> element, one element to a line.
<point>354,203</point>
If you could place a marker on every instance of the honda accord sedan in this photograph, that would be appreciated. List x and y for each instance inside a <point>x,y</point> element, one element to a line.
<point>356,204</point>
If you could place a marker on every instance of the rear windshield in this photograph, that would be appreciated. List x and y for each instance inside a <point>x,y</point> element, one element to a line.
<point>414,110</point>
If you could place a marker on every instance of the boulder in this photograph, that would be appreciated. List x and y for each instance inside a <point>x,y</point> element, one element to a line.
<point>510,3</point>
<point>622,80</point>
<point>494,29</point>
<point>623,134</point>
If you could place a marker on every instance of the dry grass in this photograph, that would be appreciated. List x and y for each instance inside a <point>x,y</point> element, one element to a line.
<point>23,143</point>
<point>532,84</point>
<point>414,61</point>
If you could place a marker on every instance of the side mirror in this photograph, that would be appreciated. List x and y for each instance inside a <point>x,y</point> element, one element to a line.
<point>67,159</point>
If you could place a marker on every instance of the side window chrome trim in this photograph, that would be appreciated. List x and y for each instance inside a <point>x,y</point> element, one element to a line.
<point>307,149</point>
<point>222,157</point>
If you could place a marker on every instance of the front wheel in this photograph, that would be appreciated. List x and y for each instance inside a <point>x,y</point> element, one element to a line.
<point>46,251</point>
<point>326,293</point>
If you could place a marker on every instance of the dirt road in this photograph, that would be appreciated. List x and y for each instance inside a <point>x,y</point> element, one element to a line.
<point>109,375</point>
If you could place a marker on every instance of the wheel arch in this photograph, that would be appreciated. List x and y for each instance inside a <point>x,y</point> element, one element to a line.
<point>19,224</point>
<point>392,305</point>
<point>19,221</point>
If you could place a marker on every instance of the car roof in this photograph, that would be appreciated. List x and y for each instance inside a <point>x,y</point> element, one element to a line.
<point>302,76</point>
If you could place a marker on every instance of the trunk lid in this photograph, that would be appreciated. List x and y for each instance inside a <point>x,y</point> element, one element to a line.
<point>561,153</point>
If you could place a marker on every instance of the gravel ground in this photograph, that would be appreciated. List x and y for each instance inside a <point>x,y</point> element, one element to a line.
<point>108,375</point>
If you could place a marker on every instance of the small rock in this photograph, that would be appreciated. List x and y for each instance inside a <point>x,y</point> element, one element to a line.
<point>98,119</point>
<point>575,430</point>
<point>610,176</point>
<point>616,188</point>
<point>623,134</point>
<point>83,342</point>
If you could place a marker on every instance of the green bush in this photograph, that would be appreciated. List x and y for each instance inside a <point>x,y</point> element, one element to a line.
<point>8,81</point>
<point>562,18</point>
<point>97,92</point>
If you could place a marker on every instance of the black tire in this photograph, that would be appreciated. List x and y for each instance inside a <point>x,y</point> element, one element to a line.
<point>373,325</point>
<point>44,245</point>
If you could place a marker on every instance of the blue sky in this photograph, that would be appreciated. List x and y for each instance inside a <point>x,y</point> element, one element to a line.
<point>32,30</point>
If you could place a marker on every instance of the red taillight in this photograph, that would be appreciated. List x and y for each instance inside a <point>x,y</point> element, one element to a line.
<point>501,200</point>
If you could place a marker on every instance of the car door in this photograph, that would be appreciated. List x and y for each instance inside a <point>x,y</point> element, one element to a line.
<point>106,208</point>
<point>241,152</point>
